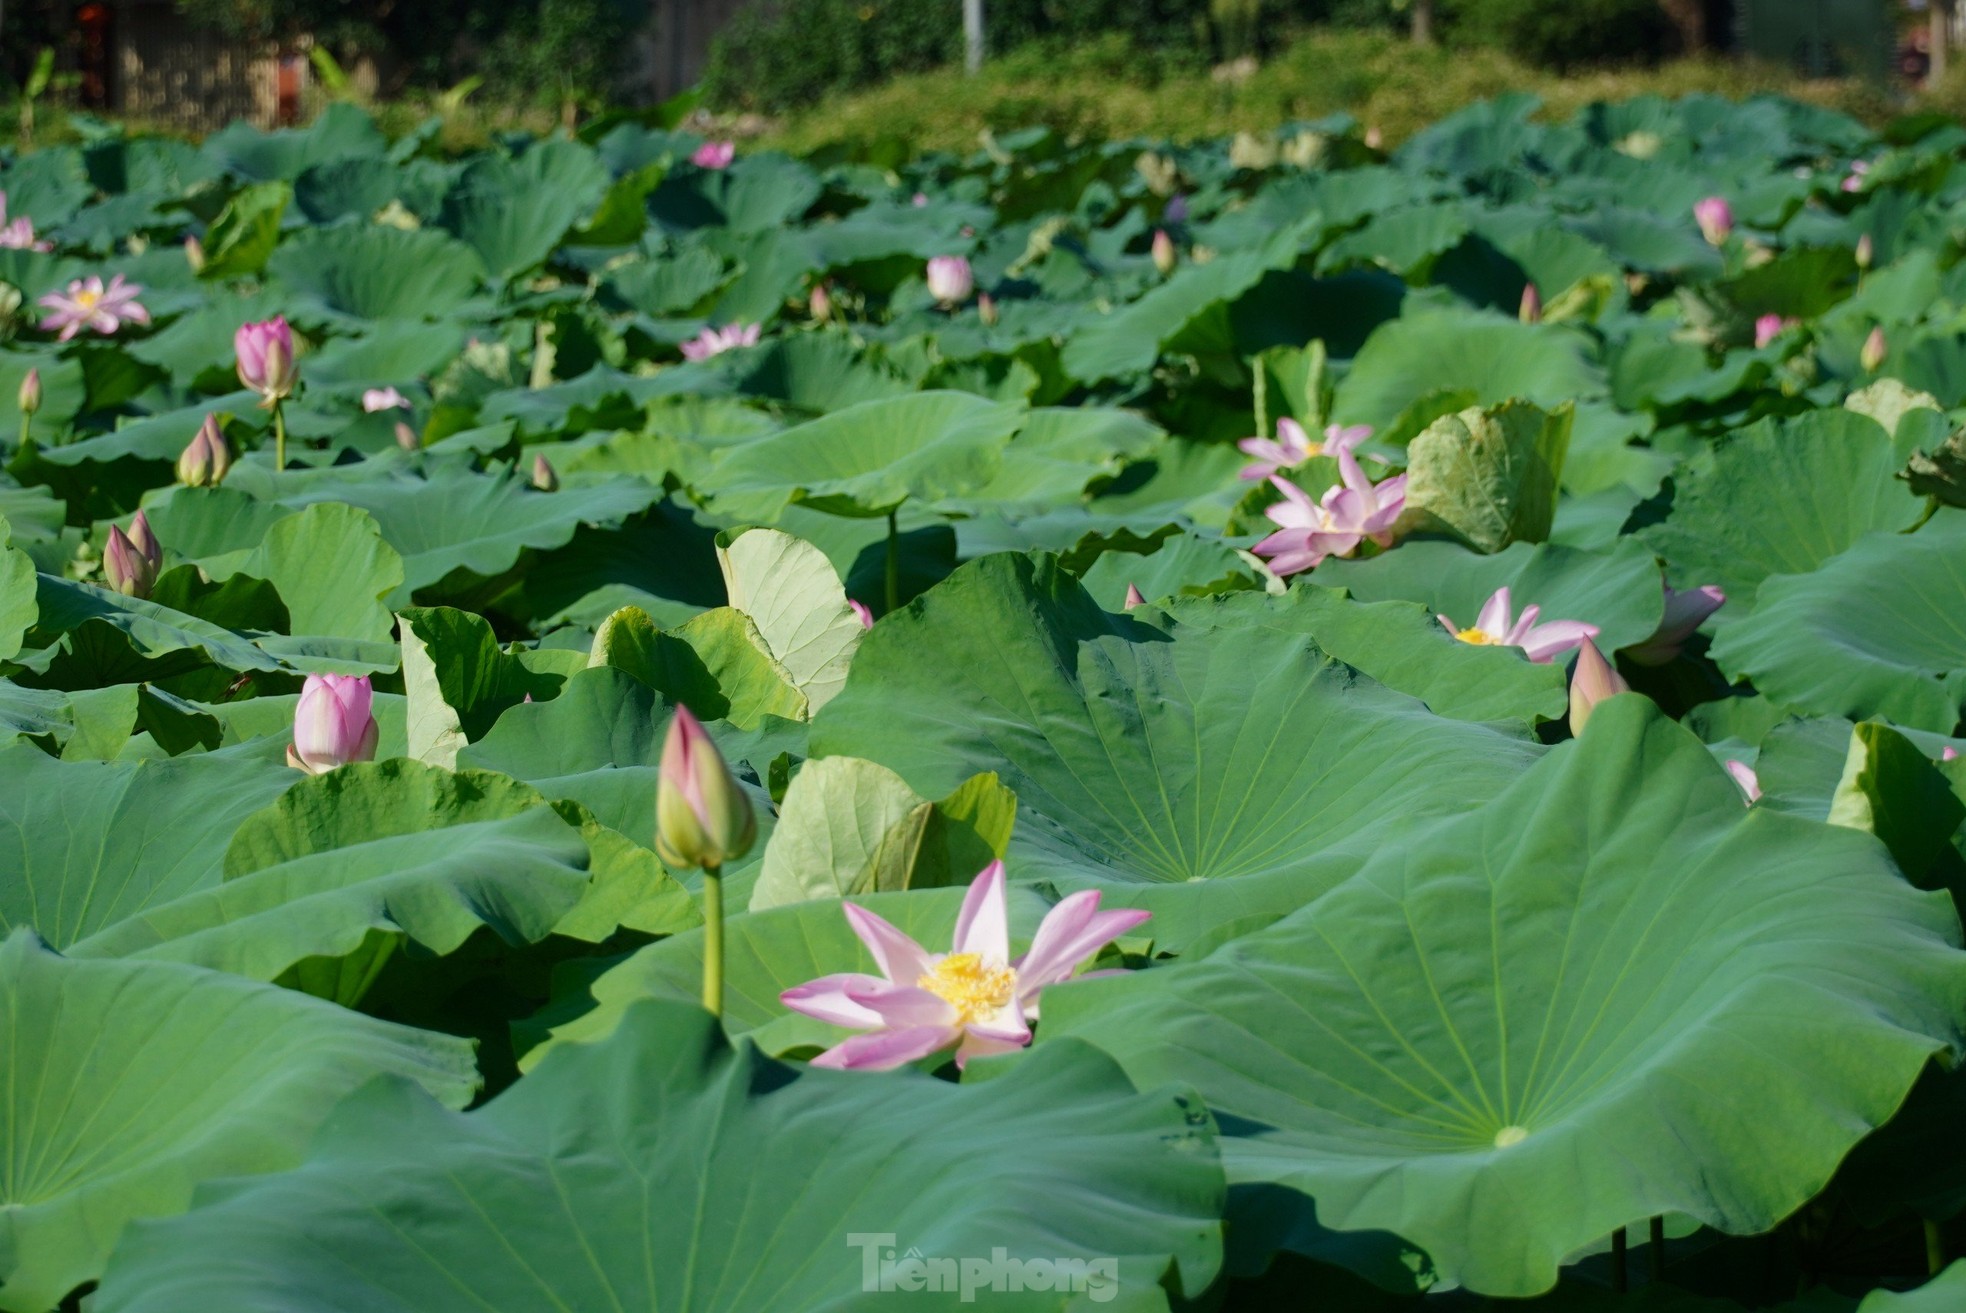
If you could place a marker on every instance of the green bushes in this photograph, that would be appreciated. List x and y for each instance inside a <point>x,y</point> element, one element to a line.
<point>1574,32</point>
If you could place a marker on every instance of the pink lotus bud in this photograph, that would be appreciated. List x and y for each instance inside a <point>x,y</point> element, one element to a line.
<point>125,568</point>
<point>1744,776</point>
<point>1592,681</point>
<point>194,254</point>
<point>714,155</point>
<point>920,200</point>
<point>265,354</point>
<point>1716,219</point>
<point>332,724</point>
<point>544,477</point>
<point>1866,252</point>
<point>407,438</point>
<point>30,392</point>
<point>376,399</point>
<point>986,310</point>
<point>821,304</point>
<point>1768,328</point>
<point>1133,597</point>
<point>206,458</point>
<point>1875,350</point>
<point>145,541</point>
<point>1684,614</point>
<point>1949,754</point>
<point>1531,309</point>
<point>949,279</point>
<point>1375,139</point>
<point>702,817</point>
<point>860,610</point>
<point>1165,256</point>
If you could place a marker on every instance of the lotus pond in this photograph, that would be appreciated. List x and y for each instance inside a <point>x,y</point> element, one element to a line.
<point>1463,646</point>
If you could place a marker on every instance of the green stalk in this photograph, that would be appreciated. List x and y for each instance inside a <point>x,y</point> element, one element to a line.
<point>25,421</point>
<point>893,560</point>
<point>279,436</point>
<point>713,940</point>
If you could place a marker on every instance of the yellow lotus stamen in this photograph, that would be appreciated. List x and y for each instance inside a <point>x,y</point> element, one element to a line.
<point>1479,637</point>
<point>87,299</point>
<point>975,990</point>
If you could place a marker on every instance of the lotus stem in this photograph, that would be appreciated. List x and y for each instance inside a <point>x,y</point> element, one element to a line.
<point>713,940</point>
<point>25,422</point>
<point>1658,1249</point>
<point>1618,1281</point>
<point>1935,1248</point>
<point>279,436</point>
<point>893,560</point>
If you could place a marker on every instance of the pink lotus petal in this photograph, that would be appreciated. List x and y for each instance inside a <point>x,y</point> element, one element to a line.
<point>1071,934</point>
<point>1547,641</point>
<point>978,1045</point>
<point>1494,617</point>
<point>826,998</point>
<point>884,1050</point>
<point>901,959</point>
<point>1744,776</point>
<point>904,1007</point>
<point>983,926</point>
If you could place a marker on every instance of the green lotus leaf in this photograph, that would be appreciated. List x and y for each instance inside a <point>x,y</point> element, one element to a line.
<point>1875,631</point>
<point>717,664</point>
<point>341,132</point>
<point>458,680</point>
<point>514,211</point>
<point>412,1207</point>
<point>1597,1001</point>
<point>131,1083</point>
<point>87,614</point>
<point>1492,359</point>
<point>372,271</point>
<point>1148,752</point>
<point>331,567</point>
<point>789,590</point>
<point>238,242</point>
<point>18,609</point>
<point>1487,477</point>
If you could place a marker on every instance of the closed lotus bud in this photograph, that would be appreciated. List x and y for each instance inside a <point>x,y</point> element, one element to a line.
<point>986,310</point>
<point>1133,597</point>
<point>1165,256</point>
<point>950,280</point>
<point>194,254</point>
<point>1716,219</point>
<point>333,723</point>
<point>702,817</point>
<point>1375,139</point>
<point>1874,352</point>
<point>821,304</point>
<point>206,458</point>
<point>543,476</point>
<point>125,568</point>
<point>1531,309</point>
<point>145,540</point>
<point>406,437</point>
<point>1866,252</point>
<point>30,392</point>
<point>1593,680</point>
<point>265,354</point>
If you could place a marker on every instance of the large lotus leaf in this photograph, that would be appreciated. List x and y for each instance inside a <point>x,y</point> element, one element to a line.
<point>1143,752</point>
<point>391,353</point>
<point>675,286</point>
<point>717,664</point>
<point>1875,631</point>
<point>1487,477</point>
<point>789,590</point>
<point>666,1169</point>
<point>514,212</point>
<point>1401,645</point>
<point>1485,357</point>
<point>1616,590</point>
<point>457,520</point>
<point>1781,497</point>
<point>1184,565</point>
<point>848,826</point>
<point>341,132</point>
<point>150,631</point>
<point>238,242</point>
<point>1601,999</point>
<point>457,680</point>
<point>1059,451</point>
<point>87,844</point>
<point>331,567</point>
<point>130,1083</point>
<point>18,609</point>
<point>348,864</point>
<point>373,271</point>
<point>867,459</point>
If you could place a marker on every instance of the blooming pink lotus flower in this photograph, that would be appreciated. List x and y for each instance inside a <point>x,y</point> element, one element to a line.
<point>1745,777</point>
<point>332,724</point>
<point>861,612</point>
<point>376,399</point>
<point>975,997</point>
<point>1716,219</point>
<point>950,279</point>
<point>1348,514</point>
<point>716,341</point>
<point>1540,643</point>
<point>714,155</point>
<point>1769,327</point>
<point>1293,447</point>
<point>266,362</point>
<point>88,304</point>
<point>1685,613</point>
<point>18,235</point>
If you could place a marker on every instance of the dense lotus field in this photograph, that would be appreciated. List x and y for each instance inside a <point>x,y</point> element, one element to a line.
<point>1466,647</point>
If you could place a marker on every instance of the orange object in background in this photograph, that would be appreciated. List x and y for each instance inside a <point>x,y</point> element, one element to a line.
<point>93,21</point>
<point>292,73</point>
